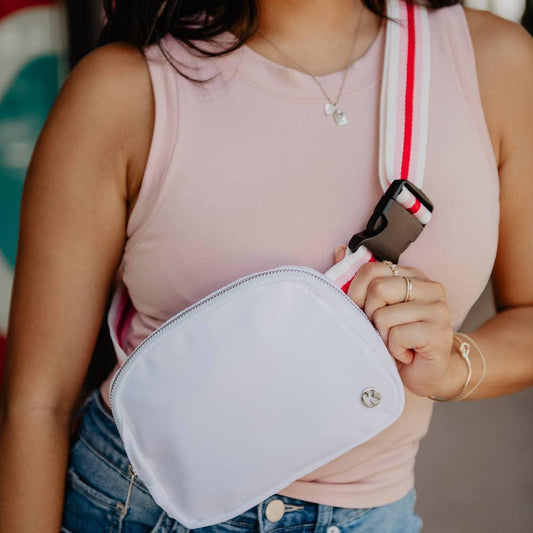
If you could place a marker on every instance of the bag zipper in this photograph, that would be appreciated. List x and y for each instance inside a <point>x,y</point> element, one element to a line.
<point>132,476</point>
<point>211,297</point>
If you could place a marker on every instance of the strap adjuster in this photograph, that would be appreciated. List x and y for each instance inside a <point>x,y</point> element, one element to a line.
<point>391,228</point>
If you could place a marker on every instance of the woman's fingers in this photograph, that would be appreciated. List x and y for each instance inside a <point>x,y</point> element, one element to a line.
<point>340,251</point>
<point>429,340</point>
<point>368,279</point>
<point>389,291</point>
<point>385,318</point>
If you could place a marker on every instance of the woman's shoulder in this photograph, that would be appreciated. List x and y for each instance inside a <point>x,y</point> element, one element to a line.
<point>494,29</point>
<point>110,79</point>
<point>504,61</point>
<point>501,46</point>
<point>112,84</point>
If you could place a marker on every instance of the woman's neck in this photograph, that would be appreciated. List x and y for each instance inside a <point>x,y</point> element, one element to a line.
<point>317,34</point>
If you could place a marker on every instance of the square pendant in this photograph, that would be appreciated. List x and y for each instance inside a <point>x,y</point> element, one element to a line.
<point>340,117</point>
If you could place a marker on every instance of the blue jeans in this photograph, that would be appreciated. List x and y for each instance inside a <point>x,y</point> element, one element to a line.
<point>98,484</point>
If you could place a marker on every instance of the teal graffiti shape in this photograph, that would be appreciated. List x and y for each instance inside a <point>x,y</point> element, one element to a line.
<point>23,110</point>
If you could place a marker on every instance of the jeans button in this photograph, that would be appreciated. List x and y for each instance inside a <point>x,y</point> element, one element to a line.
<point>333,529</point>
<point>275,509</point>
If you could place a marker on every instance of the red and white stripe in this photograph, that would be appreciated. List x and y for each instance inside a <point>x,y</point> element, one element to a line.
<point>404,113</point>
<point>404,104</point>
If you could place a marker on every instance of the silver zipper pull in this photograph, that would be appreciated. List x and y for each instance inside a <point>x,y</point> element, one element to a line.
<point>132,475</point>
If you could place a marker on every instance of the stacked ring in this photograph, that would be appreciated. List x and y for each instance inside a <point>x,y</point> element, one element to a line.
<point>393,267</point>
<point>408,288</point>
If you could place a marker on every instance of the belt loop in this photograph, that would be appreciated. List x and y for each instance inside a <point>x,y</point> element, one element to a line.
<point>323,518</point>
<point>260,523</point>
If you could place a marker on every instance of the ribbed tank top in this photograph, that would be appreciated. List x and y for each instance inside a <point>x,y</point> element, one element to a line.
<point>247,173</point>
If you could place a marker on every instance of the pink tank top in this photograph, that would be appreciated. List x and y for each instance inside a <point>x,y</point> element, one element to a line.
<point>247,173</point>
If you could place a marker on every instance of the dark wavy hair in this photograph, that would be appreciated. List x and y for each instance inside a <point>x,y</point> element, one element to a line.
<point>145,22</point>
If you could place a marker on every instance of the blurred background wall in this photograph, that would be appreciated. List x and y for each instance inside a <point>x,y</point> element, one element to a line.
<point>33,65</point>
<point>475,468</point>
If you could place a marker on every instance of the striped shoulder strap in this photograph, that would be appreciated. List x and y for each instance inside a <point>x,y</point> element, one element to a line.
<point>404,112</point>
<point>405,95</point>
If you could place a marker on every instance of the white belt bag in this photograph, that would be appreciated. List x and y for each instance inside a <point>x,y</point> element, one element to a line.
<point>250,388</point>
<point>267,378</point>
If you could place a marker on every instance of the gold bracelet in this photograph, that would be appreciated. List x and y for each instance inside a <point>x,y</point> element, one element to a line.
<point>483,362</point>
<point>464,350</point>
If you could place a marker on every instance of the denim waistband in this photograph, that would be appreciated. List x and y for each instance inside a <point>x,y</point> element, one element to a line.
<point>99,431</point>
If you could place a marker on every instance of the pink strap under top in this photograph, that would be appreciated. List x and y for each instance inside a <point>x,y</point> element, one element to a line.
<point>248,174</point>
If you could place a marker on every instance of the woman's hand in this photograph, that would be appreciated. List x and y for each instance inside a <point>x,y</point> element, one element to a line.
<point>417,333</point>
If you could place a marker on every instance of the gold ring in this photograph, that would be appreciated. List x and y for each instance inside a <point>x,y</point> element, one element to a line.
<point>393,267</point>
<point>408,288</point>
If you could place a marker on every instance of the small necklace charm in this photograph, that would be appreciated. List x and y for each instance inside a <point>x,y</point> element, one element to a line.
<point>330,106</point>
<point>340,116</point>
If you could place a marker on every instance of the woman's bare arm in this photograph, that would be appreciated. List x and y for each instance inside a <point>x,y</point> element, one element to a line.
<point>504,57</point>
<point>84,167</point>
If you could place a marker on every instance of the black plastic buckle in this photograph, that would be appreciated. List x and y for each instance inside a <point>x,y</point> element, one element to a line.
<point>391,228</point>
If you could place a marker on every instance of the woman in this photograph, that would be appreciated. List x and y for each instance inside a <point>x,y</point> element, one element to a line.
<point>138,167</point>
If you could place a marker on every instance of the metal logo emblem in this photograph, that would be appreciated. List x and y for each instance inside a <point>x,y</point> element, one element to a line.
<point>371,397</point>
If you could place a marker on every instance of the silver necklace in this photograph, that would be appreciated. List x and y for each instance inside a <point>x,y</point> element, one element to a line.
<point>331,106</point>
